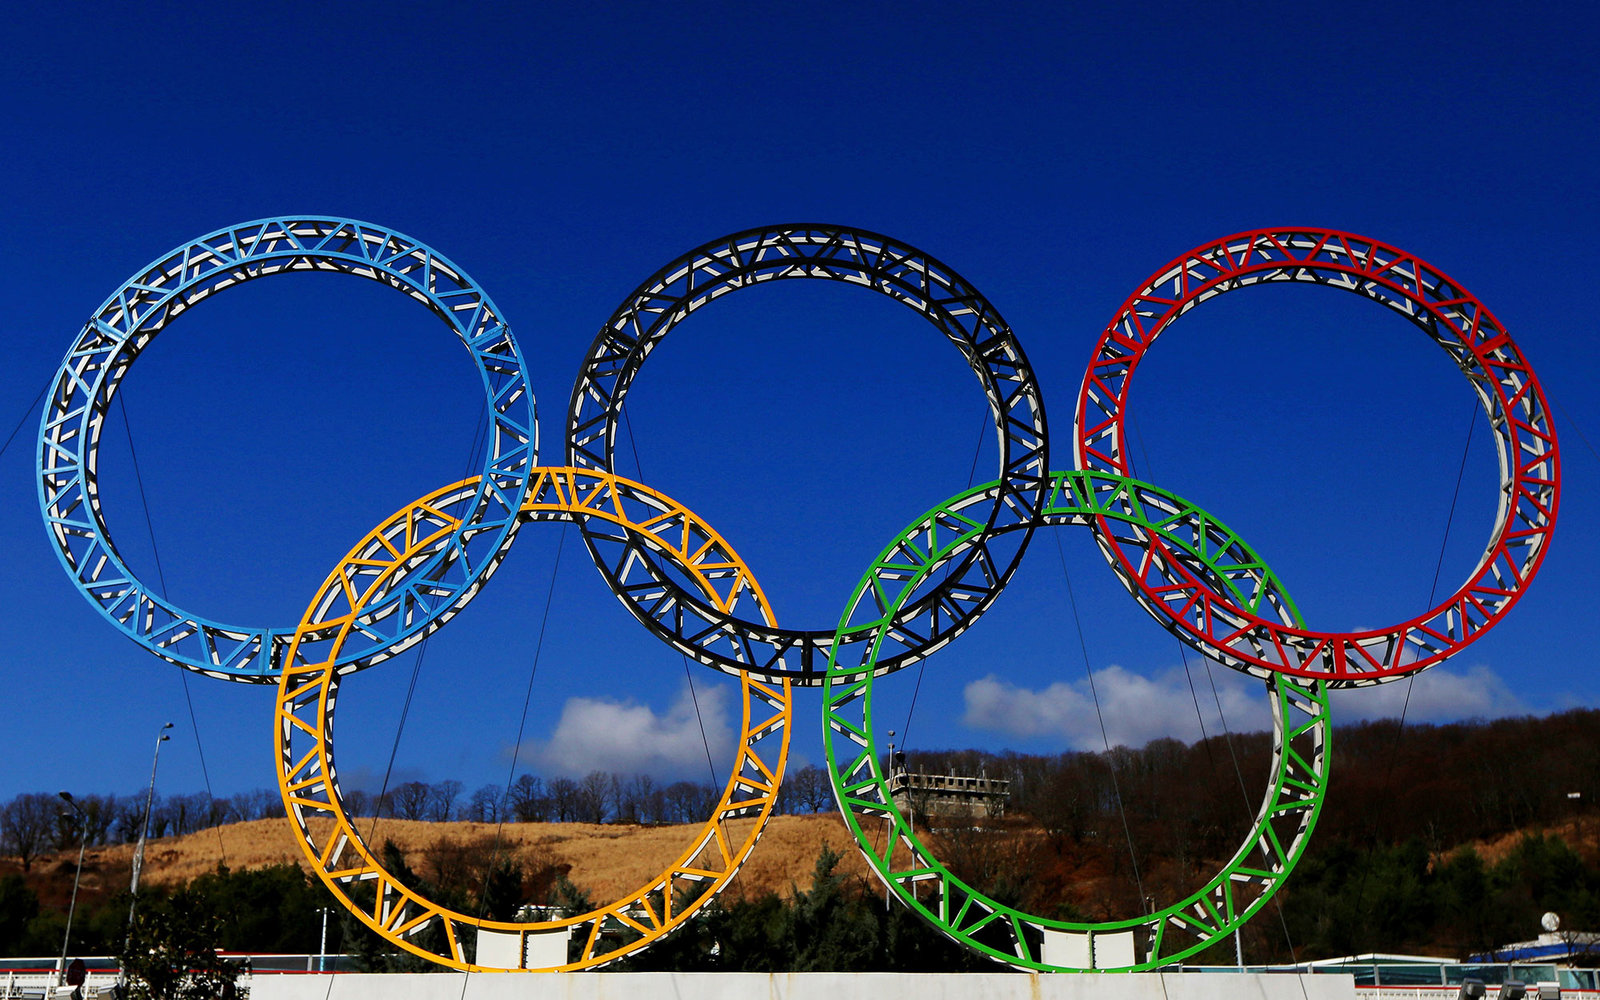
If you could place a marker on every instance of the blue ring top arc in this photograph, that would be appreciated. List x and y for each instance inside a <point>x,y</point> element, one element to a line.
<point>130,318</point>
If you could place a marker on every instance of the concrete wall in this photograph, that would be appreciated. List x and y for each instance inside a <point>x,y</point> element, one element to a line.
<point>801,986</point>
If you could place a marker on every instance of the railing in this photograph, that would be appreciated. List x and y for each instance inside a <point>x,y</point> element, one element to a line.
<point>947,783</point>
<point>1439,981</point>
<point>35,977</point>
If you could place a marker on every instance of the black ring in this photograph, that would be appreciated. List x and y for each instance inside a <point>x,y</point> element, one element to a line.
<point>903,273</point>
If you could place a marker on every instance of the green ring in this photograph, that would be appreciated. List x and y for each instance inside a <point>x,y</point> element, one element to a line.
<point>1302,738</point>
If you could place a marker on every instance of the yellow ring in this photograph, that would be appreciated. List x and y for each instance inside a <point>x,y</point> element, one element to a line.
<point>308,780</point>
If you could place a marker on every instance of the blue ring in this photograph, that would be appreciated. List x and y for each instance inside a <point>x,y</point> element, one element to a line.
<point>84,385</point>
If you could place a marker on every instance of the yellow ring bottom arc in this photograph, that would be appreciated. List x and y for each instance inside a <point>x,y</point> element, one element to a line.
<point>345,863</point>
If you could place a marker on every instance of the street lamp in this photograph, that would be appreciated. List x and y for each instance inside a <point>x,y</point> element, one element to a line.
<point>322,955</point>
<point>144,830</point>
<point>83,839</point>
<point>888,817</point>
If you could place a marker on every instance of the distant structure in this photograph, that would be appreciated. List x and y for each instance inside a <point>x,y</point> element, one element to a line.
<point>1551,946</point>
<point>947,795</point>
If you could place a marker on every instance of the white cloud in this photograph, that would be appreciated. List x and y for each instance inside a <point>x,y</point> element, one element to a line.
<point>1138,709</point>
<point>626,737</point>
<point>1438,695</point>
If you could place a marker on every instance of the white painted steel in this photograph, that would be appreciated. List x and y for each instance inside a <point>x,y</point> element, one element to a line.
<point>547,950</point>
<point>499,949</point>
<point>1065,948</point>
<point>1114,951</point>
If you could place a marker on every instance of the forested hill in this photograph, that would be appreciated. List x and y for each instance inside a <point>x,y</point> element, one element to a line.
<point>1440,784</point>
<point>1445,839</point>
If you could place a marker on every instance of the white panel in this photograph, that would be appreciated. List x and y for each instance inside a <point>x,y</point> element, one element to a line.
<point>1065,948</point>
<point>499,950</point>
<point>1114,951</point>
<point>548,949</point>
<point>804,986</point>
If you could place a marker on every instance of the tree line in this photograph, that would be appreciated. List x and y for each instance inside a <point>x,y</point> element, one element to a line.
<point>1343,900</point>
<point>36,823</point>
<point>1088,835</point>
<point>597,797</point>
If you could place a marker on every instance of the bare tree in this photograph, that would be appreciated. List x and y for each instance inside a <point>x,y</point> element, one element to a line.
<point>240,808</point>
<point>216,811</point>
<point>485,805</point>
<point>181,814</point>
<point>643,798</point>
<point>129,814</point>
<point>786,803</point>
<point>527,801</point>
<point>97,814</point>
<point>563,800</point>
<point>410,800</point>
<point>591,805</point>
<point>263,803</point>
<point>442,800</point>
<point>813,789</point>
<point>688,801</point>
<point>155,820</point>
<point>27,823</point>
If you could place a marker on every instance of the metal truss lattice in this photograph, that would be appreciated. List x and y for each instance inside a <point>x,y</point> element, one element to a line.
<point>124,325</point>
<point>1454,319</point>
<point>346,864</point>
<point>1200,547</point>
<point>856,257</point>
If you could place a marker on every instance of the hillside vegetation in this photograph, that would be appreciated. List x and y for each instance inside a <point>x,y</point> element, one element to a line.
<point>1436,839</point>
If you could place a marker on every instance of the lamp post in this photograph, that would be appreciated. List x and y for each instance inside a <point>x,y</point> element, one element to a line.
<point>322,955</point>
<point>144,830</point>
<point>888,818</point>
<point>83,839</point>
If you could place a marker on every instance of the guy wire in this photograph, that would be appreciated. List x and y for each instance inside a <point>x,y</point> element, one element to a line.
<point>161,578</point>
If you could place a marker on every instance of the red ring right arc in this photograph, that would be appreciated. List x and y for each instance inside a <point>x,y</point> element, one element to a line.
<point>1453,318</point>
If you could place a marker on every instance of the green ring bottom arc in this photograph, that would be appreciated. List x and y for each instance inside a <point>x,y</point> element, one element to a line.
<point>1176,530</point>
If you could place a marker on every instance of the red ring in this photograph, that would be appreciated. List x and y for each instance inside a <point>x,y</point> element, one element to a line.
<point>1453,318</point>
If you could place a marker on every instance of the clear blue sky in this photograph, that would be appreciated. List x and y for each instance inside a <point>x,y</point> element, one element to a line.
<point>1054,154</point>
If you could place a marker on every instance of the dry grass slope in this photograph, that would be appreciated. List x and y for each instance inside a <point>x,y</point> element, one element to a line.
<point>607,860</point>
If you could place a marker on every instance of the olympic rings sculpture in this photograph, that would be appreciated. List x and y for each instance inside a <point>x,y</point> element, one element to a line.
<point>684,582</point>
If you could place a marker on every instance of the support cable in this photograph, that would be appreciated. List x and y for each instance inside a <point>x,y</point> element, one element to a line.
<point>1111,764</point>
<point>516,748</point>
<point>1565,416</point>
<point>32,409</point>
<point>478,441</point>
<point>1411,679</point>
<point>1233,753</point>
<point>922,664</point>
<point>161,579</point>
<point>1116,787</point>
<point>688,675</point>
<point>1194,695</point>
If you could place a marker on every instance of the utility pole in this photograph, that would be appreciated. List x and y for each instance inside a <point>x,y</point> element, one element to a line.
<point>144,830</point>
<point>322,954</point>
<point>888,817</point>
<point>83,839</point>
